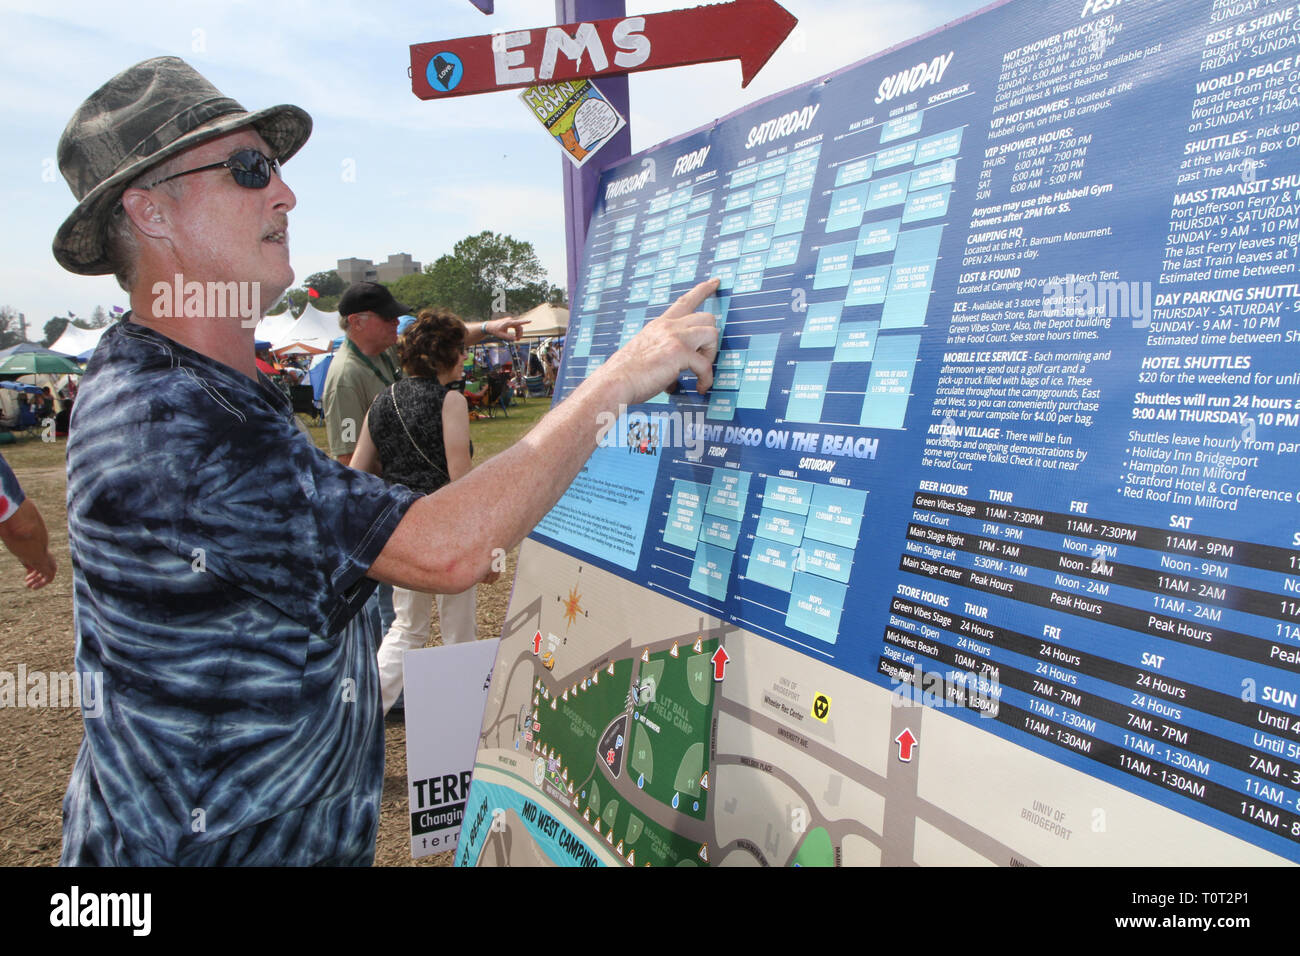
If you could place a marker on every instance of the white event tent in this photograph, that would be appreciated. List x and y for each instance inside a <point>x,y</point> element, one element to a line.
<point>314,331</point>
<point>76,341</point>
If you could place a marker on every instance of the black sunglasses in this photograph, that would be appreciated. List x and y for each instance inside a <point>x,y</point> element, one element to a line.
<point>249,167</point>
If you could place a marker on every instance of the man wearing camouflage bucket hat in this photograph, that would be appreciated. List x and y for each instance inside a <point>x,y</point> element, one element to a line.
<point>241,719</point>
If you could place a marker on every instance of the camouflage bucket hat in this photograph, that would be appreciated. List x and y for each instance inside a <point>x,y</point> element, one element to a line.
<point>141,117</point>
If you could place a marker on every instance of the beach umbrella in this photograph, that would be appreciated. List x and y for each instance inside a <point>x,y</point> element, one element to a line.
<point>29,359</point>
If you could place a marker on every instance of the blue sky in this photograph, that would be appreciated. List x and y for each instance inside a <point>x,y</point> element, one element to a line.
<point>384,172</point>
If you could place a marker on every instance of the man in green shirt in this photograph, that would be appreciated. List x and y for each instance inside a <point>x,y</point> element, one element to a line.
<point>363,367</point>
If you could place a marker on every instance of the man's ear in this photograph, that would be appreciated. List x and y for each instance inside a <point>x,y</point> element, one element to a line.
<point>146,212</point>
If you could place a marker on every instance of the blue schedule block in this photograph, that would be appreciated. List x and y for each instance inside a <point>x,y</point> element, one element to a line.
<point>815,607</point>
<point>836,515</point>
<point>855,171</point>
<point>700,204</point>
<point>937,174</point>
<point>591,302</point>
<point>751,263</point>
<point>857,342</point>
<point>643,267</point>
<point>771,167</point>
<point>868,286</point>
<point>625,225</point>
<point>727,249</point>
<point>682,196</point>
<point>787,494</point>
<point>684,271</point>
<point>734,223</point>
<point>613,281</point>
<point>676,215</point>
<point>659,203</point>
<point>682,527</point>
<point>768,188</point>
<point>913,276</point>
<point>821,325</point>
<point>928,204</point>
<point>806,153</point>
<point>876,237</point>
<point>597,270</point>
<point>693,236</point>
<point>726,380</point>
<point>834,266</point>
<point>633,322</point>
<point>847,207</point>
<point>666,260</point>
<point>717,305</point>
<point>757,240</point>
<point>780,526</point>
<point>731,360</point>
<point>760,361</point>
<point>783,252</point>
<point>654,224</point>
<point>621,242</point>
<point>807,392</point>
<point>763,212</point>
<point>939,146</point>
<point>618,263</point>
<point>722,406</point>
<point>725,273</point>
<point>890,383</point>
<point>771,563</point>
<point>711,572</point>
<point>826,560</point>
<point>799,178</point>
<point>895,156</point>
<point>744,177</point>
<point>748,282</point>
<point>651,245</point>
<point>890,191</point>
<point>722,532</point>
<point>727,493</point>
<point>673,236</point>
<point>739,199</point>
<point>900,127</point>
<point>793,212</point>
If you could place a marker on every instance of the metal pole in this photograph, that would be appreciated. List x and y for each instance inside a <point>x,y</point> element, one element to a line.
<point>580,183</point>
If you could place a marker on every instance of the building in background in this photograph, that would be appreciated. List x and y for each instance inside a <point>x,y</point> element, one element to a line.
<point>363,270</point>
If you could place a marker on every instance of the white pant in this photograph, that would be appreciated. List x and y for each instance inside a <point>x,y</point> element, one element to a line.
<point>412,615</point>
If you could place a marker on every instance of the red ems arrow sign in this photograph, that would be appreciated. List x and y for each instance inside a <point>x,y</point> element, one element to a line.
<point>748,30</point>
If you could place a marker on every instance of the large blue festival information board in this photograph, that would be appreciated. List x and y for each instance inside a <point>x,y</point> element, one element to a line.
<point>984,546</point>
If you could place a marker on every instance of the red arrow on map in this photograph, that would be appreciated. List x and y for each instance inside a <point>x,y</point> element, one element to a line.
<point>906,743</point>
<point>720,658</point>
<point>747,30</point>
<point>537,643</point>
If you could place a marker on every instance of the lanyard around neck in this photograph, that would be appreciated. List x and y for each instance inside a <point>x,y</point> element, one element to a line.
<point>388,379</point>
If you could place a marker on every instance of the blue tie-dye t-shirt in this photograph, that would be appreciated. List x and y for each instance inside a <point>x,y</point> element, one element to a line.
<point>219,564</point>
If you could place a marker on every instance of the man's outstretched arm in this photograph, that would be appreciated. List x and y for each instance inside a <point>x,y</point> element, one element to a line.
<point>445,541</point>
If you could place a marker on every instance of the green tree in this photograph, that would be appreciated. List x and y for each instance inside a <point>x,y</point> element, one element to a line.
<point>53,329</point>
<point>483,275</point>
<point>326,283</point>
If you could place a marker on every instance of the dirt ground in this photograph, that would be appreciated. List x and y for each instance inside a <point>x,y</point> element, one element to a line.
<point>41,744</point>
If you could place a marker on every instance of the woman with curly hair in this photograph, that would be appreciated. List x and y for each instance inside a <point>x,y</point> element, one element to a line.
<point>417,434</point>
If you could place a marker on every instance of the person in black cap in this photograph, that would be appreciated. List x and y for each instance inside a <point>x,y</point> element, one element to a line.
<point>240,719</point>
<point>364,367</point>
